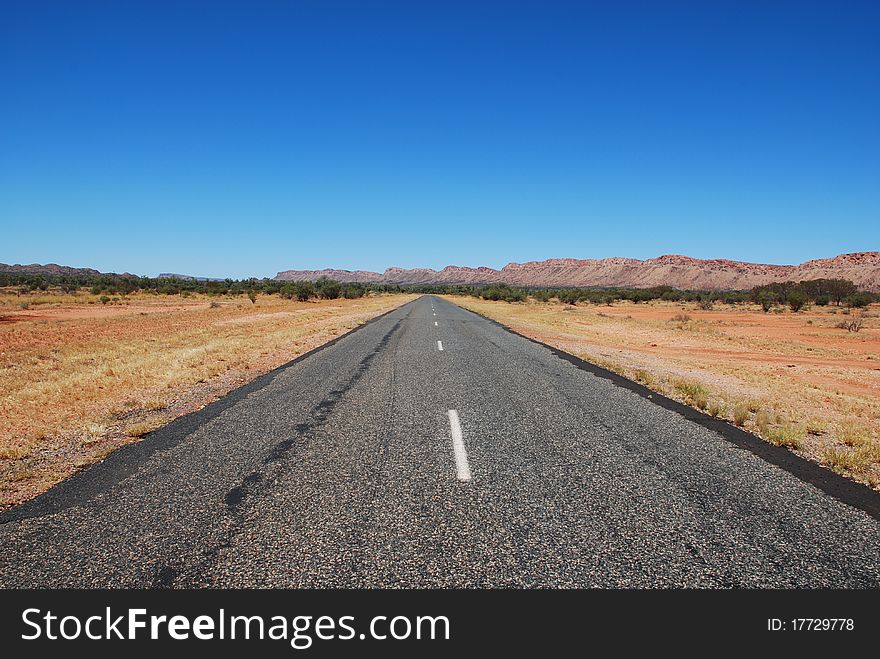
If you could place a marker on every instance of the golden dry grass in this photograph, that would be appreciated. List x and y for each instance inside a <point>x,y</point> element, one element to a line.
<point>80,378</point>
<point>794,379</point>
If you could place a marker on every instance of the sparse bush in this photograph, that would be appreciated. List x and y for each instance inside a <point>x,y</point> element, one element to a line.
<point>328,289</point>
<point>816,426</point>
<point>104,299</point>
<point>853,434</point>
<point>796,300</point>
<point>718,409</point>
<point>786,435</point>
<point>705,303</point>
<point>762,422</point>
<point>693,393</point>
<point>841,459</point>
<point>252,296</point>
<point>767,300</point>
<point>858,300</point>
<point>740,414</point>
<point>642,376</point>
<point>214,305</point>
<point>680,318</point>
<point>303,290</point>
<point>141,429</point>
<point>853,325</point>
<point>24,305</point>
<point>822,301</point>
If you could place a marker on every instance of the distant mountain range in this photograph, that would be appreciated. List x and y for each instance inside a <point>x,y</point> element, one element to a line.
<point>684,272</point>
<point>863,268</point>
<point>47,269</point>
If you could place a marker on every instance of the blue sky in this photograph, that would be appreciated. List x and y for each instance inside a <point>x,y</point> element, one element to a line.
<point>242,138</point>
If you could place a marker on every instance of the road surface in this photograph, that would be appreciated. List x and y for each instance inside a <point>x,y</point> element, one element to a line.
<point>433,448</point>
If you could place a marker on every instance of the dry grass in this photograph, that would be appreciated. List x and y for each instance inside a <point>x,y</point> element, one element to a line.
<point>794,379</point>
<point>81,378</point>
<point>740,414</point>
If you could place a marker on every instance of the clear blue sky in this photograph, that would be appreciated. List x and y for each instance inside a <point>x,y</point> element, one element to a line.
<point>242,138</point>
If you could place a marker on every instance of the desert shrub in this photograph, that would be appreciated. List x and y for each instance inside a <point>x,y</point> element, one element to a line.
<point>24,305</point>
<point>786,435</point>
<point>104,299</point>
<point>706,303</point>
<point>735,298</point>
<point>214,305</point>
<point>796,300</point>
<point>822,300</point>
<point>853,325</point>
<point>858,300</point>
<point>642,376</point>
<point>767,300</point>
<point>328,289</point>
<point>717,409</point>
<point>252,296</point>
<point>853,434</point>
<point>693,392</point>
<point>304,290</point>
<point>680,318</point>
<point>353,292</point>
<point>541,296</point>
<point>815,426</point>
<point>762,422</point>
<point>740,414</point>
<point>843,460</point>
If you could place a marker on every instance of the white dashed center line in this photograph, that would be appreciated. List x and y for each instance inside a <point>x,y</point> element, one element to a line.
<point>462,468</point>
<point>440,345</point>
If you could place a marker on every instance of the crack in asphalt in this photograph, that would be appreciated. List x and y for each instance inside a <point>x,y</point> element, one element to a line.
<point>261,481</point>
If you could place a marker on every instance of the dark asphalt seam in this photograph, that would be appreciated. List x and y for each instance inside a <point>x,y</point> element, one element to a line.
<point>320,413</point>
<point>85,485</point>
<point>260,482</point>
<point>843,489</point>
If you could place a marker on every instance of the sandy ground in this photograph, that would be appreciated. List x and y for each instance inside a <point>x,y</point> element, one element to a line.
<point>803,381</point>
<point>80,379</point>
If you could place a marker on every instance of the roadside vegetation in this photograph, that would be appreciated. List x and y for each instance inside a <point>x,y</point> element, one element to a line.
<point>111,289</point>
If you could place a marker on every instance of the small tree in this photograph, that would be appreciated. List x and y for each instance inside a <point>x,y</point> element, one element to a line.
<point>840,289</point>
<point>329,289</point>
<point>796,300</point>
<point>252,296</point>
<point>766,299</point>
<point>858,300</point>
<point>303,290</point>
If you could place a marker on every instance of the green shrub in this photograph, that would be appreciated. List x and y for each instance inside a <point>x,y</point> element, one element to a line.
<point>767,300</point>
<point>858,300</point>
<point>796,300</point>
<point>328,289</point>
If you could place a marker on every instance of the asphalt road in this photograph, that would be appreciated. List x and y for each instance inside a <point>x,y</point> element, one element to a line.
<point>346,469</point>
